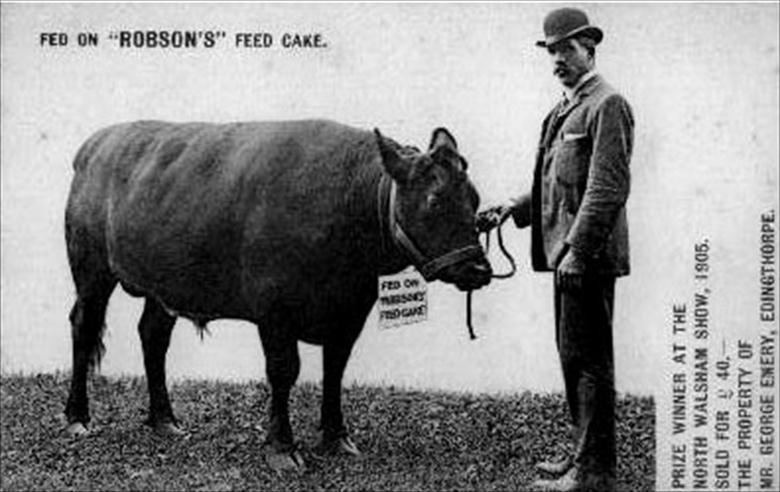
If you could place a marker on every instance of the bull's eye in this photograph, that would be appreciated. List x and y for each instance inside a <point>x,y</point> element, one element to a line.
<point>434,203</point>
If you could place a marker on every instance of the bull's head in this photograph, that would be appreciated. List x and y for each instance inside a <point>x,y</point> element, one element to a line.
<point>432,211</point>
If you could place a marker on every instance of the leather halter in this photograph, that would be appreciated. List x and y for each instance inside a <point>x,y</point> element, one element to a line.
<point>388,222</point>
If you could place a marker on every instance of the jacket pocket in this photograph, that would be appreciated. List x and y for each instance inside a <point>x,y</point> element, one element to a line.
<point>572,158</point>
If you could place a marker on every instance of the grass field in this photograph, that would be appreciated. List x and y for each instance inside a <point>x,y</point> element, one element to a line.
<point>412,440</point>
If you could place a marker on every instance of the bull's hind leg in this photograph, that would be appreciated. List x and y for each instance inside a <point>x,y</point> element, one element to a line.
<point>282,368</point>
<point>155,330</point>
<point>94,283</point>
<point>335,354</point>
<point>94,287</point>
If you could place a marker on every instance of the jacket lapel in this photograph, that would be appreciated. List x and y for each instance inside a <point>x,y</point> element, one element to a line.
<point>553,124</point>
<point>564,109</point>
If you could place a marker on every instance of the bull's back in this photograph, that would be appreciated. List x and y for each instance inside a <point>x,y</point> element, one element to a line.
<point>181,206</point>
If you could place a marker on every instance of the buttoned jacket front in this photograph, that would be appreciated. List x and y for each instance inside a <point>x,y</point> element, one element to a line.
<point>581,182</point>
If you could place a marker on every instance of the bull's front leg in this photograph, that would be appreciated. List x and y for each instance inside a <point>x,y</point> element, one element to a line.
<point>282,367</point>
<point>335,354</point>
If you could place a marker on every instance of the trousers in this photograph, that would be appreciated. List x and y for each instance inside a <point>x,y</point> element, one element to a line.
<point>583,319</point>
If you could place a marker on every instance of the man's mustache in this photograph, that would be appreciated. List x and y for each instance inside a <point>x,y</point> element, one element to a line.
<point>560,70</point>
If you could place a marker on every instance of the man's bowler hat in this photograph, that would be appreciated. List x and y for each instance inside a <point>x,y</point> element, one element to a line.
<point>565,23</point>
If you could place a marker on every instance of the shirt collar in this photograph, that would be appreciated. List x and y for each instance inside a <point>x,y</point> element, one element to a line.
<point>569,93</point>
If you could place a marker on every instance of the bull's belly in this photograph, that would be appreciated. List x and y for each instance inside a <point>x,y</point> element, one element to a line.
<point>169,250</point>
<point>200,293</point>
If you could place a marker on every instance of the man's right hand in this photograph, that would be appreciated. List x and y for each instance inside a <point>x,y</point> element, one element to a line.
<point>492,217</point>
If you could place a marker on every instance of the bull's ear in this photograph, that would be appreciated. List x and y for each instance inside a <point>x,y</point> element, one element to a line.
<point>441,137</point>
<point>398,168</point>
<point>444,144</point>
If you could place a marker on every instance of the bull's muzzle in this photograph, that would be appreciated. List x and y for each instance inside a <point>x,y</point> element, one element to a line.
<point>469,275</point>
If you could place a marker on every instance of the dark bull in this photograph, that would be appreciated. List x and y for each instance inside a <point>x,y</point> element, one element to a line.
<point>283,224</point>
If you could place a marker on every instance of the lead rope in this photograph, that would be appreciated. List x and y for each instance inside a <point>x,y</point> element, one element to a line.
<point>512,270</point>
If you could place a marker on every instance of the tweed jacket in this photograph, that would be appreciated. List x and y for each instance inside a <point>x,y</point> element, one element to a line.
<point>581,182</point>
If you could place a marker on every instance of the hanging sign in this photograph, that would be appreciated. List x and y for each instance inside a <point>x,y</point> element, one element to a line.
<point>403,299</point>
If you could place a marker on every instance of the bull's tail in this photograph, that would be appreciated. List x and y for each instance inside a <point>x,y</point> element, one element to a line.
<point>87,320</point>
<point>94,283</point>
<point>85,237</point>
<point>87,328</point>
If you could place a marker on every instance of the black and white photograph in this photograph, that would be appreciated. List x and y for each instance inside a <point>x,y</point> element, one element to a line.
<point>389,246</point>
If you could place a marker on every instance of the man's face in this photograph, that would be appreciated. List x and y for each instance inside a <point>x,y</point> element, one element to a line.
<point>570,61</point>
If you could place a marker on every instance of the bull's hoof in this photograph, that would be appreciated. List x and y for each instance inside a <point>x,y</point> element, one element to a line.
<point>341,445</point>
<point>168,430</point>
<point>77,430</point>
<point>284,461</point>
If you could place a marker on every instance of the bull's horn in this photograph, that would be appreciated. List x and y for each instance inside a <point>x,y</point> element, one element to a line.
<point>394,164</point>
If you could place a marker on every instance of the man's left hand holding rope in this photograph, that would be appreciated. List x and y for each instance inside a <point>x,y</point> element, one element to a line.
<point>492,217</point>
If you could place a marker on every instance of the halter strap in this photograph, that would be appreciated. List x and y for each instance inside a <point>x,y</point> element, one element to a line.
<point>428,268</point>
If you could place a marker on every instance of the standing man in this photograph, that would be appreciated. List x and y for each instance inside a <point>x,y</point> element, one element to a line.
<point>576,210</point>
